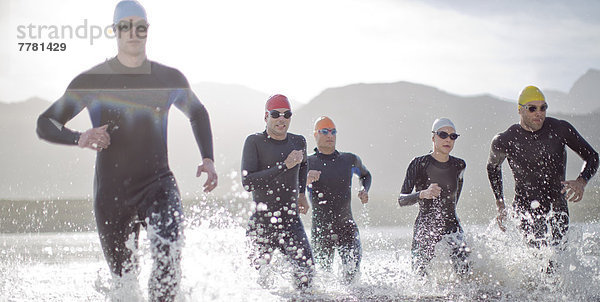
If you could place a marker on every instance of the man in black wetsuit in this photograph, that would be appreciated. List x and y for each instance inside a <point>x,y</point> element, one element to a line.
<point>128,98</point>
<point>535,149</point>
<point>438,180</point>
<point>330,188</point>
<point>274,169</point>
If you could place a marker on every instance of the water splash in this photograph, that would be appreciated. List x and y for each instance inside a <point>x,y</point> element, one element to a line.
<point>215,266</point>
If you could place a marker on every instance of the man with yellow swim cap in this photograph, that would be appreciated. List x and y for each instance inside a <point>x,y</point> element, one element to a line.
<point>330,190</point>
<point>535,149</point>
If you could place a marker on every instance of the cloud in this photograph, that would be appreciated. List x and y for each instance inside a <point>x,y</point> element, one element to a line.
<point>300,48</point>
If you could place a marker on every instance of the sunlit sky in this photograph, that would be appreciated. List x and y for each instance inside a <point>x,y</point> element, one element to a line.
<point>300,48</point>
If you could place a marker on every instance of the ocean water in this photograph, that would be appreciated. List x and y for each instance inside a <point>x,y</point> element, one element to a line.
<point>71,267</point>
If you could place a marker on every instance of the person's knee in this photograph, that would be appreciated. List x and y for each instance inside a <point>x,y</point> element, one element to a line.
<point>166,225</point>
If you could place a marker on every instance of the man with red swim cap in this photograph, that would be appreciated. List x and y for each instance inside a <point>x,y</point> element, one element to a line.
<point>330,189</point>
<point>274,169</point>
<point>276,102</point>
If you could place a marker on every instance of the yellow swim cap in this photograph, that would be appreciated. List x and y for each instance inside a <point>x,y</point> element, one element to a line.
<point>530,94</point>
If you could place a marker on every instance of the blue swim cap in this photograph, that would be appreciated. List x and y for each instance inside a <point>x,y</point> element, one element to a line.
<point>129,8</point>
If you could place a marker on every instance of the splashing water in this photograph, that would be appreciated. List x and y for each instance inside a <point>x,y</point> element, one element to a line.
<point>215,267</point>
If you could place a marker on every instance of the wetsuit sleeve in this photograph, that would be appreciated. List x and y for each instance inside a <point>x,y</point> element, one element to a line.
<point>407,197</point>
<point>303,170</point>
<point>362,172</point>
<point>494,167</point>
<point>462,166</point>
<point>51,123</point>
<point>578,144</point>
<point>189,104</point>
<point>252,177</point>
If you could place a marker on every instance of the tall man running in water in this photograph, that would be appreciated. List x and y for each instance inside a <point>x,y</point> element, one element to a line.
<point>330,189</point>
<point>535,149</point>
<point>274,170</point>
<point>128,98</point>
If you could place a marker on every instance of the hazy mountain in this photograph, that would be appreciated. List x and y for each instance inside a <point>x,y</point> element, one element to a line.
<point>386,124</point>
<point>584,92</point>
<point>34,169</point>
<point>582,98</point>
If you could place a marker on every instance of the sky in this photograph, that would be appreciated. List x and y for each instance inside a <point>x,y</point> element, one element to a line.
<point>300,48</point>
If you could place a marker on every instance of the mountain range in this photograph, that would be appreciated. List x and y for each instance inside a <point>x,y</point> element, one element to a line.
<point>386,124</point>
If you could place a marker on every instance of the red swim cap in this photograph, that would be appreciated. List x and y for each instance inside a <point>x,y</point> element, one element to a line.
<point>277,101</point>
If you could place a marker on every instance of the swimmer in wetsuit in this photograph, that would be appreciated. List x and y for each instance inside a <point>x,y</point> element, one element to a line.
<point>330,188</point>
<point>128,98</point>
<point>274,170</point>
<point>438,179</point>
<point>535,149</point>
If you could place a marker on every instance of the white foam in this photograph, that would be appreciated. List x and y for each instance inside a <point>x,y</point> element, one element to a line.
<point>70,266</point>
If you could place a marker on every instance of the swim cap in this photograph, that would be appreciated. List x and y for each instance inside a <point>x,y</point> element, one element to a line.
<point>277,101</point>
<point>129,8</point>
<point>441,123</point>
<point>324,122</point>
<point>530,94</point>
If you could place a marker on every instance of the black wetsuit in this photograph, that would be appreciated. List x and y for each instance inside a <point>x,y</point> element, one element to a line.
<point>333,226</point>
<point>133,184</point>
<point>538,161</point>
<point>276,223</point>
<point>437,217</point>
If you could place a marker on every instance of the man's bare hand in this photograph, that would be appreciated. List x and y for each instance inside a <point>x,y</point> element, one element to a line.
<point>295,157</point>
<point>208,166</point>
<point>433,191</point>
<point>95,138</point>
<point>364,196</point>
<point>313,175</point>
<point>303,205</point>
<point>573,189</point>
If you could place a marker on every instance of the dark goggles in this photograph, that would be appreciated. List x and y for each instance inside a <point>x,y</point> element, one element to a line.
<point>533,108</point>
<point>445,135</point>
<point>125,26</point>
<point>326,131</point>
<point>277,114</point>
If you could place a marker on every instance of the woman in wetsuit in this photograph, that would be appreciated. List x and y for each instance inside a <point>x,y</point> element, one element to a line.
<point>437,178</point>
